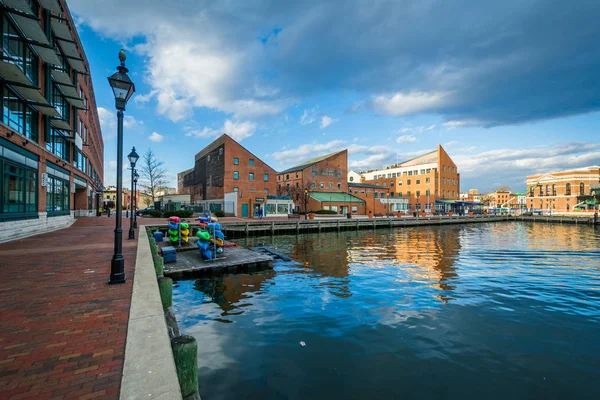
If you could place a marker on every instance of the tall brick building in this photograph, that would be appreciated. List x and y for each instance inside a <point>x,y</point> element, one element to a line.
<point>562,191</point>
<point>51,148</point>
<point>428,181</point>
<point>321,183</point>
<point>225,167</point>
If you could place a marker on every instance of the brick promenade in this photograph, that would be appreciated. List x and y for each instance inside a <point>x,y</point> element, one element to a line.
<point>62,327</point>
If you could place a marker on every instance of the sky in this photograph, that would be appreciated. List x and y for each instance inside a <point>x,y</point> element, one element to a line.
<point>508,88</point>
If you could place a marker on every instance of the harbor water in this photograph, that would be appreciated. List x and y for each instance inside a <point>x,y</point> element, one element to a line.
<point>494,311</point>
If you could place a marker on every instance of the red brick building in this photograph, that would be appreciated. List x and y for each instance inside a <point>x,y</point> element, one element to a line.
<point>225,167</point>
<point>51,148</point>
<point>320,183</point>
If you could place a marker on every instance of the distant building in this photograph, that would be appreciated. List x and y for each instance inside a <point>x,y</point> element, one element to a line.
<point>501,198</point>
<point>322,182</point>
<point>562,191</point>
<point>226,173</point>
<point>109,196</point>
<point>427,181</point>
<point>354,177</point>
<point>377,199</point>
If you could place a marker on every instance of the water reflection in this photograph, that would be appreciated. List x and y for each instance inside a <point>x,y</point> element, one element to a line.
<point>491,311</point>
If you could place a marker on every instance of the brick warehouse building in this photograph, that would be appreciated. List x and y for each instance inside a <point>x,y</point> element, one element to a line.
<point>428,181</point>
<point>51,148</point>
<point>562,191</point>
<point>225,170</point>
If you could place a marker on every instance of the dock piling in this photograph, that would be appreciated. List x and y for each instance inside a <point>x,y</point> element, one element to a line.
<point>165,288</point>
<point>185,353</point>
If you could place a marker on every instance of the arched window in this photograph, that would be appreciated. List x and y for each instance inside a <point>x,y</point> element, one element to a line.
<point>581,189</point>
<point>547,190</point>
<point>541,190</point>
<point>553,190</point>
<point>568,189</point>
<point>531,191</point>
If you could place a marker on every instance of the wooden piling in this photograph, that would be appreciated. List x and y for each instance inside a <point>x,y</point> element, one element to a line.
<point>185,354</point>
<point>165,288</point>
<point>159,265</point>
<point>272,228</point>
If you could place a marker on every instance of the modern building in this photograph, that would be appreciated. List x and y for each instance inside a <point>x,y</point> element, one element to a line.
<point>427,181</point>
<point>51,148</point>
<point>242,183</point>
<point>559,191</point>
<point>320,183</point>
<point>502,198</point>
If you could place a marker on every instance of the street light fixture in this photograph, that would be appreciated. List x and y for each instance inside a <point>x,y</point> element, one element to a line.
<point>305,203</point>
<point>122,88</point>
<point>133,157</point>
<point>136,176</point>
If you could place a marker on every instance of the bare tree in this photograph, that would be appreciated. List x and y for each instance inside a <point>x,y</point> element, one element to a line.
<point>298,193</point>
<point>503,188</point>
<point>153,175</point>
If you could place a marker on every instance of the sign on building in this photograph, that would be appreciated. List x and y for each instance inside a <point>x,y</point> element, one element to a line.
<point>78,142</point>
<point>44,179</point>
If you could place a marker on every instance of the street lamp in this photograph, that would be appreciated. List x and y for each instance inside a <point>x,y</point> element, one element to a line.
<point>305,203</point>
<point>133,157</point>
<point>135,180</point>
<point>122,88</point>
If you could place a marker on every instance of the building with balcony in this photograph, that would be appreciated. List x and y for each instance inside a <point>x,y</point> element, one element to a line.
<point>562,191</point>
<point>51,148</point>
<point>430,181</point>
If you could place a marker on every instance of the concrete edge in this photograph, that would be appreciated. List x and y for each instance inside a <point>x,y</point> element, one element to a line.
<point>149,369</point>
<point>46,229</point>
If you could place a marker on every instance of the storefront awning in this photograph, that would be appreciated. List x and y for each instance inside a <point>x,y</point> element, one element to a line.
<point>337,197</point>
<point>51,5</point>
<point>62,125</point>
<point>16,79</point>
<point>20,5</point>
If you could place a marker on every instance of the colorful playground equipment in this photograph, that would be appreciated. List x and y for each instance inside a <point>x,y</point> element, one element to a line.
<point>184,230</point>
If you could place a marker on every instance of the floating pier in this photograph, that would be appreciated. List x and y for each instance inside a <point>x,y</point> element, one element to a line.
<point>190,264</point>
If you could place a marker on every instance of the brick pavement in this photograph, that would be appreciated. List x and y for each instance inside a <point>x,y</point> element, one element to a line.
<point>62,327</point>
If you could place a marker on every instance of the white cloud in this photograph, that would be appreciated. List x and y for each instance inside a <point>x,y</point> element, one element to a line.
<point>308,116</point>
<point>107,122</point>
<point>144,98</point>
<point>450,144</point>
<point>132,124</point>
<point>455,124</point>
<point>238,130</point>
<point>416,130</point>
<point>308,151</point>
<point>156,137</point>
<point>406,139</point>
<point>410,103</point>
<point>326,121</point>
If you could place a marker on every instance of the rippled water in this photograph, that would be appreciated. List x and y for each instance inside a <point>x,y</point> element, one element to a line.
<point>490,311</point>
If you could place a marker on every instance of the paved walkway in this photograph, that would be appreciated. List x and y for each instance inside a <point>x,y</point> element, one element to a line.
<point>62,327</point>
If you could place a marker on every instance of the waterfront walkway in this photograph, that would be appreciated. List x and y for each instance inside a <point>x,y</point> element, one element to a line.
<point>62,327</point>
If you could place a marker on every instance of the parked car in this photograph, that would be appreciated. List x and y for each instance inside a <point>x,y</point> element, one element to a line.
<point>144,211</point>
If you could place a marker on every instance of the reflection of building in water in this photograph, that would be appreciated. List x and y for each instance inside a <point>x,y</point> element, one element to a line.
<point>326,255</point>
<point>564,237</point>
<point>432,251</point>
<point>229,290</point>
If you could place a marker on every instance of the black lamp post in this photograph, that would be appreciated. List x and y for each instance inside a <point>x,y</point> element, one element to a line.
<point>133,157</point>
<point>305,203</point>
<point>135,180</point>
<point>122,88</point>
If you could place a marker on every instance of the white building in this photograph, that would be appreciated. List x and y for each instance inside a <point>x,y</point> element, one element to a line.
<point>354,177</point>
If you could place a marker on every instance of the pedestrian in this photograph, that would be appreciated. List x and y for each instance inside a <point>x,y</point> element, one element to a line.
<point>260,213</point>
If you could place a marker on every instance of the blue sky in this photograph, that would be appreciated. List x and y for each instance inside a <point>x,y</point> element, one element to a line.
<point>508,88</point>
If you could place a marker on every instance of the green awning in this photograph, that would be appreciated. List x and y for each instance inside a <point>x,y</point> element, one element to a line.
<point>335,197</point>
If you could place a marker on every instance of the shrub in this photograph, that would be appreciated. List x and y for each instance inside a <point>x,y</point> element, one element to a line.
<point>325,212</point>
<point>219,213</point>
<point>155,213</point>
<point>178,213</point>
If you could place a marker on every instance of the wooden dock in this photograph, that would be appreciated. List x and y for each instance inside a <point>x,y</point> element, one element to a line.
<point>263,227</point>
<point>190,264</point>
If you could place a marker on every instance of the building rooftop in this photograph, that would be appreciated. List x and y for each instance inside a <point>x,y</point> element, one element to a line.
<point>365,186</point>
<point>422,159</point>
<point>308,163</point>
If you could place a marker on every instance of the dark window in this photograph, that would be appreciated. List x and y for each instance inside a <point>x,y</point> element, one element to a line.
<point>251,162</point>
<point>58,145</point>
<point>236,161</point>
<point>236,175</point>
<point>568,189</point>
<point>57,196</point>
<point>408,182</point>
<point>251,176</point>
<point>287,176</point>
<point>581,189</point>
<point>553,190</point>
<point>547,190</point>
<point>339,185</point>
<point>418,181</point>
<point>18,115</point>
<point>266,178</point>
<point>236,189</point>
<point>60,103</point>
<point>17,52</point>
<point>19,189</point>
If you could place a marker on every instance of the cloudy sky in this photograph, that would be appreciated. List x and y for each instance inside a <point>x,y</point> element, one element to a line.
<point>509,88</point>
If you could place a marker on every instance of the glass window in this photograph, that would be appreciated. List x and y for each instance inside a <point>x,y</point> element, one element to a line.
<point>422,171</point>
<point>60,103</point>
<point>427,180</point>
<point>251,176</point>
<point>428,170</point>
<point>236,161</point>
<point>322,185</point>
<point>57,196</point>
<point>58,145</point>
<point>409,173</point>
<point>339,185</point>
<point>266,177</point>
<point>312,185</point>
<point>330,185</point>
<point>236,175</point>
<point>581,189</point>
<point>236,189</point>
<point>251,162</point>
<point>418,181</point>
<point>19,116</point>
<point>553,190</point>
<point>408,182</point>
